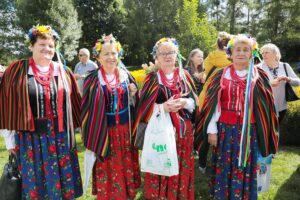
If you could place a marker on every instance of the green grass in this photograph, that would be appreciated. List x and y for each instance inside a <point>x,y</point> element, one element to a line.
<point>285,181</point>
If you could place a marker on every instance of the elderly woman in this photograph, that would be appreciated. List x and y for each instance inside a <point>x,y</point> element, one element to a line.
<point>195,67</point>
<point>239,120</point>
<point>109,96</point>
<point>172,87</point>
<point>44,110</point>
<point>279,74</point>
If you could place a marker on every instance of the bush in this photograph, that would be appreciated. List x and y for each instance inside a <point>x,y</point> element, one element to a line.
<point>290,126</point>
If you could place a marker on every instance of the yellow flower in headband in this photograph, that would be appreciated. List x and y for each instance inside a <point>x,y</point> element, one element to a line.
<point>98,46</point>
<point>107,38</point>
<point>43,29</point>
<point>119,47</point>
<point>231,42</point>
<point>163,40</point>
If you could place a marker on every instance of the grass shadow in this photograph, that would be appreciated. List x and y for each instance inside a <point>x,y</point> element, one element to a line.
<point>291,188</point>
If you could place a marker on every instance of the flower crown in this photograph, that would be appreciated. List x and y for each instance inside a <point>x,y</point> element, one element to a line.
<point>254,44</point>
<point>41,29</point>
<point>162,40</point>
<point>107,39</point>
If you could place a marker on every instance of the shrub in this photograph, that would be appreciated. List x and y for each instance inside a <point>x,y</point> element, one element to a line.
<point>290,126</point>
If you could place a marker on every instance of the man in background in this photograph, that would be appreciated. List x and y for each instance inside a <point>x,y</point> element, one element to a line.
<point>83,67</point>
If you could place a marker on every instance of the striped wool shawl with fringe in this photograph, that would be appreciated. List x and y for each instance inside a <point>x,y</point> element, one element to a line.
<point>93,115</point>
<point>148,96</point>
<point>15,113</point>
<point>263,109</point>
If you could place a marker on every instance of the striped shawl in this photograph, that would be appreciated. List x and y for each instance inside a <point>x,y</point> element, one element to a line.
<point>15,112</point>
<point>93,116</point>
<point>264,111</point>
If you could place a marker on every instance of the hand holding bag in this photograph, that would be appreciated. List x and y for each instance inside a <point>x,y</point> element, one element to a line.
<point>290,94</point>
<point>159,155</point>
<point>10,181</point>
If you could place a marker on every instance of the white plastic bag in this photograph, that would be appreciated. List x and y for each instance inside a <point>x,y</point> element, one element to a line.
<point>263,173</point>
<point>89,161</point>
<point>159,154</point>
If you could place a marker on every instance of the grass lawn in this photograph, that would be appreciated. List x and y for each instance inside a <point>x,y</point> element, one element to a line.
<point>285,181</point>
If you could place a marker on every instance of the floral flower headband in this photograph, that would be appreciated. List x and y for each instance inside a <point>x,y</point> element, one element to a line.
<point>251,40</point>
<point>107,39</point>
<point>41,29</point>
<point>162,40</point>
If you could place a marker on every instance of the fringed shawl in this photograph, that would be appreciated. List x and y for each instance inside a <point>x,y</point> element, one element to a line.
<point>15,112</point>
<point>264,111</point>
<point>93,115</point>
<point>148,96</point>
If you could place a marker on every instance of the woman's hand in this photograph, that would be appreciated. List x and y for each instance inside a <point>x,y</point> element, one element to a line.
<point>275,82</point>
<point>284,78</point>
<point>12,151</point>
<point>132,89</point>
<point>200,76</point>
<point>173,105</point>
<point>213,139</point>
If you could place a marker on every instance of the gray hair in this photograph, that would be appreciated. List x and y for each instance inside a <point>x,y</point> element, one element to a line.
<point>85,51</point>
<point>273,48</point>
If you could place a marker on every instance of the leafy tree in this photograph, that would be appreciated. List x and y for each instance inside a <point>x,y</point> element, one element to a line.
<point>11,37</point>
<point>100,17</point>
<point>148,21</point>
<point>280,24</point>
<point>194,32</point>
<point>61,14</point>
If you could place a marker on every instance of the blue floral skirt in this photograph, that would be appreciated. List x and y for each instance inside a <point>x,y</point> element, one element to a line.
<point>229,181</point>
<point>50,170</point>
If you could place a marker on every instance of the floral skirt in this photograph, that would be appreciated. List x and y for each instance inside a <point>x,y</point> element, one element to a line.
<point>49,169</point>
<point>117,177</point>
<point>175,187</point>
<point>229,181</point>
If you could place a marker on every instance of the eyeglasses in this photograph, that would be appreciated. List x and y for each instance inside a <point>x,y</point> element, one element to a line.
<point>80,55</point>
<point>165,54</point>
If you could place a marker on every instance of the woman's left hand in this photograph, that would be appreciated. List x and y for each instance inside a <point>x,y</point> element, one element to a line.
<point>132,89</point>
<point>284,78</point>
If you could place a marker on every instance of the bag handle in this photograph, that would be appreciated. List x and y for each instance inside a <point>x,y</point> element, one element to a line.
<point>284,65</point>
<point>13,161</point>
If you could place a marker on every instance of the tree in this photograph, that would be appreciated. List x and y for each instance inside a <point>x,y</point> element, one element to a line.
<point>61,14</point>
<point>280,24</point>
<point>194,32</point>
<point>100,17</point>
<point>148,21</point>
<point>11,37</point>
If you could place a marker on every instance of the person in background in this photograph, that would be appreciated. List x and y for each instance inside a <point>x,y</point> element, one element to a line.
<point>1,72</point>
<point>108,102</point>
<point>195,67</point>
<point>239,120</point>
<point>217,59</point>
<point>173,87</point>
<point>278,78</point>
<point>84,66</point>
<point>43,113</point>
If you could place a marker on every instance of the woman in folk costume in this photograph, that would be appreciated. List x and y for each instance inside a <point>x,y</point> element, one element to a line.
<point>173,87</point>
<point>109,96</point>
<point>40,104</point>
<point>239,119</point>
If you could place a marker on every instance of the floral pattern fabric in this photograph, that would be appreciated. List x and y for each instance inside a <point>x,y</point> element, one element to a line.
<point>158,187</point>
<point>117,177</point>
<point>50,170</point>
<point>229,181</point>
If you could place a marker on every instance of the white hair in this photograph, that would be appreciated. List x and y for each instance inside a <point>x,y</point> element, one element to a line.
<point>273,48</point>
<point>85,51</point>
